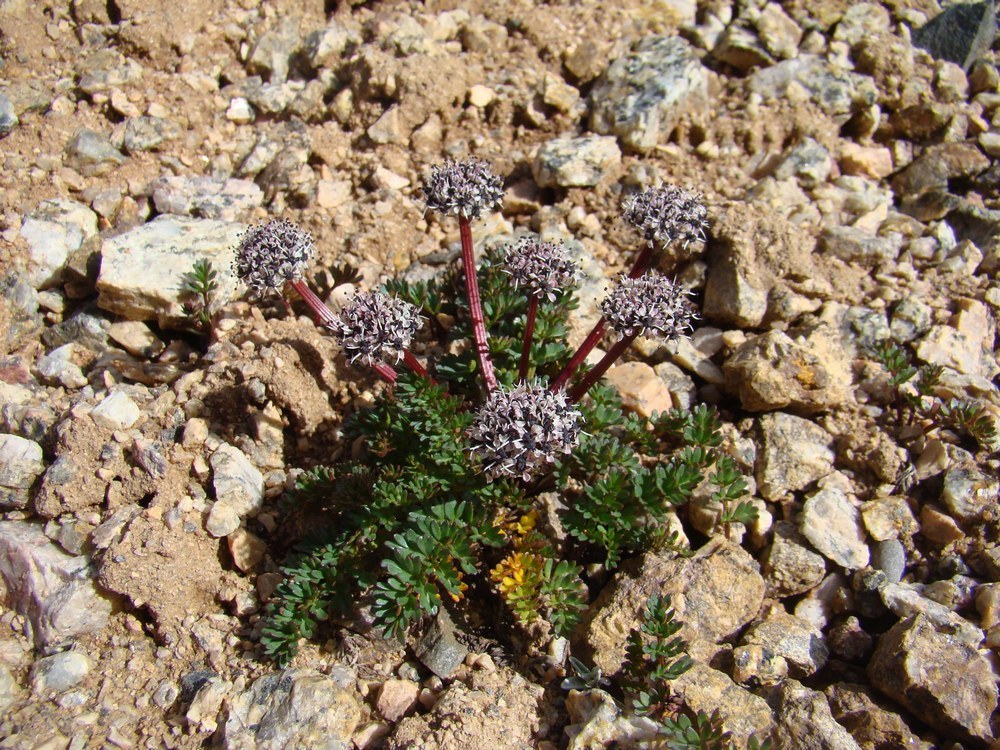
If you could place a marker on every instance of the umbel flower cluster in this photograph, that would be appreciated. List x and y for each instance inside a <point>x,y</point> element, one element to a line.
<point>452,454</point>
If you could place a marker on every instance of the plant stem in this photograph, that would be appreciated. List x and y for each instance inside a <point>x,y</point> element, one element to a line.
<point>601,367</point>
<point>414,364</point>
<point>324,315</point>
<point>642,263</point>
<point>592,340</point>
<point>476,305</point>
<point>529,333</point>
<point>386,372</point>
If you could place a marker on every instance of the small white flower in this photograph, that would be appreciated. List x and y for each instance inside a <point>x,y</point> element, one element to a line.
<point>650,303</point>
<point>272,254</point>
<point>376,327</point>
<point>666,214</point>
<point>466,188</point>
<point>541,267</point>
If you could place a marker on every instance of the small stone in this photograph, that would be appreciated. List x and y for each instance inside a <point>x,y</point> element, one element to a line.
<point>889,518</point>
<point>92,153</point>
<point>272,52</point>
<point>889,557</point>
<point>384,179</point>
<point>804,719</point>
<point>8,687</point>
<point>60,672</point>
<point>148,133</point>
<point>866,161</point>
<point>8,117</point>
<point>136,338</point>
<point>795,452</point>
<point>809,162</point>
<point>939,527</point>
<point>968,492</point>
<point>481,96</point>
<point>758,665</point>
<point>906,600</point>
<point>858,246</point>
<point>203,713</point>
<point>206,197</point>
<point>390,127</point>
<point>58,367</point>
<point>20,465</point>
<point>575,162</point>
<point>833,526</point>
<point>798,642</point>
<point>848,640</point>
<point>53,231</point>
<point>116,412</point>
<point>789,567</point>
<point>166,694</point>
<point>988,604</point>
<point>396,699</point>
<point>333,193</point>
<point>438,649</point>
<point>559,94</point>
<point>246,548</point>
<point>239,111</point>
<point>640,388</point>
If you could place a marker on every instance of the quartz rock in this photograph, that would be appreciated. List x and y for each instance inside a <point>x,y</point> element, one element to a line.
<point>59,672</point>
<point>833,526</point>
<point>20,465</point>
<point>116,412</point>
<point>238,484</point>
<point>53,231</point>
<point>575,162</point>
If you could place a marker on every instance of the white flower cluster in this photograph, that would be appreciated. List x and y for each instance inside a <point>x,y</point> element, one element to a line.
<point>466,188</point>
<point>650,303</point>
<point>542,267</point>
<point>376,327</point>
<point>667,214</point>
<point>519,431</point>
<point>272,254</point>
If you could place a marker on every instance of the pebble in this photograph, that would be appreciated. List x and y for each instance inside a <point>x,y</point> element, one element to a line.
<point>148,133</point>
<point>8,117</point>
<point>833,90</point>
<point>800,644</point>
<point>575,162</point>
<point>239,111</point>
<point>833,525</point>
<point>889,518</point>
<point>967,492</point>
<point>92,153</point>
<point>642,95</point>
<point>21,464</point>
<point>640,388</point>
<point>804,719</point>
<point>8,687</point>
<point>960,34</point>
<point>859,246</point>
<point>272,52</point>
<point>246,548</point>
<point>988,604</point>
<point>58,367</point>
<point>239,490</point>
<point>789,567</point>
<point>397,698</point>
<point>907,600</point>
<point>60,672</point>
<point>116,412</point>
<point>439,649</point>
<point>865,161</point>
<point>481,96</point>
<point>889,556</point>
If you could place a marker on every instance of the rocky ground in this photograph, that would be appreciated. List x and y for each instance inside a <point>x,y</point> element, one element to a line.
<point>848,155</point>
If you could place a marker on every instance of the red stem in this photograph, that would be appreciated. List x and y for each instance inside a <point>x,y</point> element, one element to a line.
<point>414,364</point>
<point>601,367</point>
<point>642,261</point>
<point>386,372</point>
<point>592,340</point>
<point>529,333</point>
<point>324,315</point>
<point>476,305</point>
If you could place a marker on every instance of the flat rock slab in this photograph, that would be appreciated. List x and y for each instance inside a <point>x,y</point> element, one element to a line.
<point>642,95</point>
<point>143,270</point>
<point>51,589</point>
<point>945,682</point>
<point>205,197</point>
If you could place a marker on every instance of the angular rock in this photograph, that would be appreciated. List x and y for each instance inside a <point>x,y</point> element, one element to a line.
<point>107,69</point>
<point>58,367</point>
<point>291,708</point>
<point>8,116</point>
<point>945,682</point>
<point>858,246</point>
<point>795,640</point>
<point>937,165</point>
<point>889,518</point>
<point>60,672</point>
<point>20,465</point>
<point>641,96</point>
<point>906,600</point>
<point>91,153</point>
<point>438,649</point>
<point>116,412</point>
<point>773,371</point>
<point>834,91</point>
<point>833,526</point>
<point>794,453</point>
<point>54,230</point>
<point>961,34</point>
<point>804,720</point>
<point>271,54</point>
<point>52,590</point>
<point>143,270</point>
<point>714,593</point>
<point>397,698</point>
<point>789,567</point>
<point>870,724</point>
<point>206,197</point>
<point>640,388</point>
<point>743,713</point>
<point>758,666</point>
<point>238,484</point>
<point>147,133</point>
<point>575,162</point>
<point>808,161</point>
<point>84,328</point>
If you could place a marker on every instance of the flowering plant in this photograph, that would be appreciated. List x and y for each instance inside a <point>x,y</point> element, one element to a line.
<point>457,456</point>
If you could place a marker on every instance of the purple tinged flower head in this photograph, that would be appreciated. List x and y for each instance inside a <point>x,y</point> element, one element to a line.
<point>465,188</point>
<point>272,254</point>
<point>376,327</point>
<point>543,268</point>
<point>650,303</point>
<point>667,214</point>
<point>520,430</point>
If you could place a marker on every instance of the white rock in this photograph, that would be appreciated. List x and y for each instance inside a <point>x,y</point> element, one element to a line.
<point>58,367</point>
<point>60,672</point>
<point>52,590</point>
<point>53,231</point>
<point>20,461</point>
<point>239,111</point>
<point>116,412</point>
<point>143,270</point>
<point>833,526</point>
<point>239,490</point>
